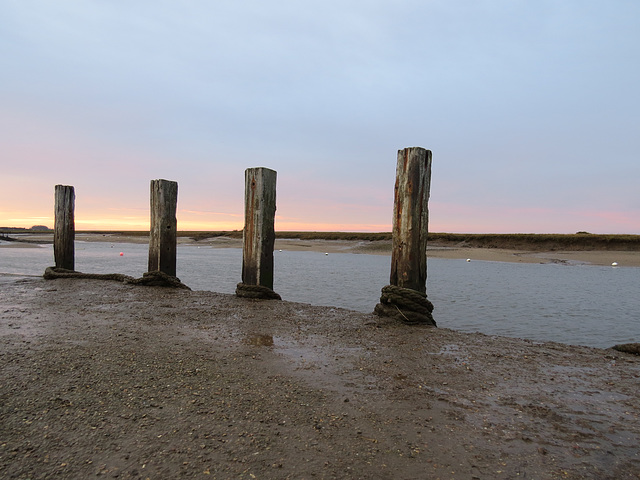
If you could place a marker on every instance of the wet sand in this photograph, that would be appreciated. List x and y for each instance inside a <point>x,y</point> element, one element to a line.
<point>586,257</point>
<point>99,378</point>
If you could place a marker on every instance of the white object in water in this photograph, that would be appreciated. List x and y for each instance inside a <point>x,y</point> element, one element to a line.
<point>614,264</point>
<point>326,253</point>
<point>468,259</point>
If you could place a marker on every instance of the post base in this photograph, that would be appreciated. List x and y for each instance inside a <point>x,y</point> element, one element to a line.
<point>406,305</point>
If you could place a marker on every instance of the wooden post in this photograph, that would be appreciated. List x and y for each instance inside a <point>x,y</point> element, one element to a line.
<point>259,236</point>
<point>411,219</point>
<point>164,225</point>
<point>406,297</point>
<point>64,228</point>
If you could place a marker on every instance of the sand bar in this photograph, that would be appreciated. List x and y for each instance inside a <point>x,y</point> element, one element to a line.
<point>588,257</point>
<point>592,257</point>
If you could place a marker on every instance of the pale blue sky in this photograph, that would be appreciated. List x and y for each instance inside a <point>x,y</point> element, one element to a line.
<point>531,109</point>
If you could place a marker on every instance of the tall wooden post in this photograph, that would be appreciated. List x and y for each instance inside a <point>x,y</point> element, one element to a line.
<point>411,219</point>
<point>64,227</point>
<point>259,232</point>
<point>164,225</point>
<point>405,298</point>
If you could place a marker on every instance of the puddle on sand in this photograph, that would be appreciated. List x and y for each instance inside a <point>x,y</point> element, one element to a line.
<point>258,340</point>
<point>312,352</point>
<point>319,363</point>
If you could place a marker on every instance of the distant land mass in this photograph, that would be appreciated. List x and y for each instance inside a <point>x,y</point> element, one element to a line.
<point>547,242</point>
<point>511,241</point>
<point>35,228</point>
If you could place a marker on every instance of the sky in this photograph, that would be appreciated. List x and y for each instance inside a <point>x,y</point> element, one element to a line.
<point>531,110</point>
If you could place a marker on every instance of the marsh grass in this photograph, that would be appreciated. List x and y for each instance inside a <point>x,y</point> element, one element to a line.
<point>513,241</point>
<point>541,242</point>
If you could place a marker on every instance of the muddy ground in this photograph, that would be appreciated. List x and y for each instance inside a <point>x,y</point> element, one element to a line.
<point>104,380</point>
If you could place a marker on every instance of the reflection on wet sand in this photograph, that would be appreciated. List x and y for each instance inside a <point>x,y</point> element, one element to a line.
<point>258,340</point>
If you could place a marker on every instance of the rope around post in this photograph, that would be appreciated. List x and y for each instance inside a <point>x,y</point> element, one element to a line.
<point>406,305</point>
<point>149,279</point>
<point>256,291</point>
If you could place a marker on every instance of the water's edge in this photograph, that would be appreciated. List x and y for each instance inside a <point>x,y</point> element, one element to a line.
<point>574,304</point>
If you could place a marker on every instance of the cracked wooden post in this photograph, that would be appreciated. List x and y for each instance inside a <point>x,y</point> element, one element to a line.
<point>405,298</point>
<point>64,227</point>
<point>163,231</point>
<point>259,236</point>
<point>411,219</point>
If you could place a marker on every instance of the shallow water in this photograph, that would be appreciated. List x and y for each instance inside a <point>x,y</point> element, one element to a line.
<point>575,304</point>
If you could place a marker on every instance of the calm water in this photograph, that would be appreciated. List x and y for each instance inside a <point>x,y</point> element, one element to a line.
<point>578,304</point>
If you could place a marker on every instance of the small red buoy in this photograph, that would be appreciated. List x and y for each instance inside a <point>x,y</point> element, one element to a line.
<point>122,254</point>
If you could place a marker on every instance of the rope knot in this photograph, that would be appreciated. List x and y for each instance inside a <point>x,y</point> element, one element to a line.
<point>256,291</point>
<point>404,304</point>
<point>157,279</point>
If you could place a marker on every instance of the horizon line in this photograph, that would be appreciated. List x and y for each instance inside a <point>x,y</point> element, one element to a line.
<point>362,232</point>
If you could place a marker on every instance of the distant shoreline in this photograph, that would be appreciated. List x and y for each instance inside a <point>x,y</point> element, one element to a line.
<point>512,241</point>
<point>573,249</point>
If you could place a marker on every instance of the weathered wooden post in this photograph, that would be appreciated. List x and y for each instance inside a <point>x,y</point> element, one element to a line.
<point>163,231</point>
<point>259,236</point>
<point>405,298</point>
<point>64,227</point>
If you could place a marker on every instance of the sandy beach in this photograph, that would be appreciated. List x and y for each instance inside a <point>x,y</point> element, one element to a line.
<point>102,379</point>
